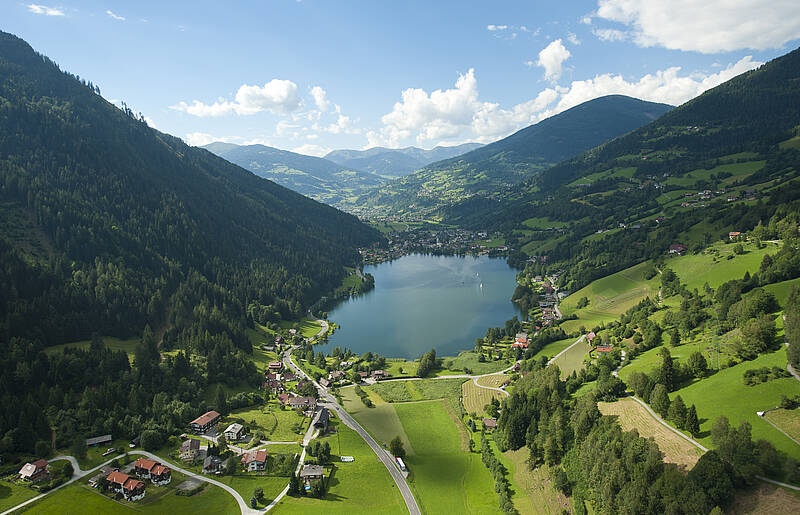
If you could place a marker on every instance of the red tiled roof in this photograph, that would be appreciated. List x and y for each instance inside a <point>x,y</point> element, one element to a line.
<point>144,463</point>
<point>205,418</point>
<point>132,484</point>
<point>118,477</point>
<point>159,470</point>
<point>259,456</point>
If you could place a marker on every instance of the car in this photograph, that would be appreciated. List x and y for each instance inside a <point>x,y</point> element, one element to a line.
<point>109,451</point>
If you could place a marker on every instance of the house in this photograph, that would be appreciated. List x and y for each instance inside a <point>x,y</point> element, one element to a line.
<point>255,460</point>
<point>205,422</point>
<point>212,465</point>
<point>275,366</point>
<point>604,348</point>
<point>490,424</point>
<point>322,419</point>
<point>279,340</point>
<point>336,375</point>
<point>519,345</point>
<point>143,466</point>
<point>677,248</point>
<point>734,235</point>
<point>304,403</point>
<point>363,375</point>
<point>516,366</point>
<point>284,398</point>
<point>324,382</point>
<point>157,473</point>
<point>189,449</point>
<point>521,338</point>
<point>104,472</point>
<point>379,374</point>
<point>98,440</point>
<point>311,473</point>
<point>591,336</point>
<point>234,432</point>
<point>130,488</point>
<point>34,472</point>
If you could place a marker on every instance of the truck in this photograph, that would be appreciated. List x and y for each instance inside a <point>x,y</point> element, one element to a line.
<point>401,464</point>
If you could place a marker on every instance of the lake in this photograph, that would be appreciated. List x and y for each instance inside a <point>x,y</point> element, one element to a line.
<point>422,302</point>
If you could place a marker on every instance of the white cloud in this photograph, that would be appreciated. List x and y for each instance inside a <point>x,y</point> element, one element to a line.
<point>708,27</point>
<point>320,98</point>
<point>198,139</point>
<point>46,10</point>
<point>311,149</point>
<point>277,96</point>
<point>115,16</point>
<point>610,34</point>
<point>496,27</point>
<point>572,38</point>
<point>343,125</point>
<point>457,115</point>
<point>150,122</point>
<point>552,58</point>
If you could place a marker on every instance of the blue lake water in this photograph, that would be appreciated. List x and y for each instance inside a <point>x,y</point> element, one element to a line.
<point>422,302</point>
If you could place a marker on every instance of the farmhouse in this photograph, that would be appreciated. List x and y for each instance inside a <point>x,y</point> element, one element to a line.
<point>324,382</point>
<point>255,460</point>
<point>33,472</point>
<point>336,375</point>
<point>322,419</point>
<point>379,374</point>
<point>304,403</point>
<point>734,235</point>
<point>311,472</point>
<point>591,336</point>
<point>212,465</point>
<point>234,432</point>
<point>284,398</point>
<point>604,348</point>
<point>521,338</point>
<point>490,424</point>
<point>189,449</point>
<point>363,375</point>
<point>205,422</point>
<point>98,440</point>
<point>677,248</point>
<point>130,488</point>
<point>275,366</point>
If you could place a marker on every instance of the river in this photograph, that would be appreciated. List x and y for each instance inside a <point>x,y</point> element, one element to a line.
<point>422,302</point>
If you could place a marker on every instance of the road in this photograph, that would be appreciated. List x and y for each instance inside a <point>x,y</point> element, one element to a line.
<point>568,348</point>
<point>661,421</point>
<point>388,461</point>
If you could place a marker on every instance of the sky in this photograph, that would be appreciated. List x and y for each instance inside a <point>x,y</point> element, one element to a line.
<point>317,75</point>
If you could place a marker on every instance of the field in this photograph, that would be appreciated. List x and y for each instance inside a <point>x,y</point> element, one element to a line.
<point>724,393</point>
<point>649,359</point>
<point>381,421</point>
<point>469,359</point>
<point>788,420</point>
<point>417,390</point>
<point>127,345</point>
<point>553,348</point>
<point>631,415</point>
<point>534,493</point>
<point>446,478</point>
<point>306,328</point>
<point>278,424</point>
<point>12,494</point>
<point>245,485</point>
<point>695,270</point>
<point>495,381</point>
<point>475,398</point>
<point>358,487</point>
<point>765,499</point>
<point>609,297</point>
<point>78,499</point>
<point>781,290</point>
<point>572,360</point>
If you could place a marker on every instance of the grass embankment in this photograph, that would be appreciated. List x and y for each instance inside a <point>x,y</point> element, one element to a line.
<point>380,421</point>
<point>609,297</point>
<point>363,486</point>
<point>553,348</point>
<point>533,493</point>
<point>127,345</point>
<point>631,415</point>
<point>714,267</point>
<point>573,359</point>
<point>306,327</point>
<point>765,499</point>
<point>279,425</point>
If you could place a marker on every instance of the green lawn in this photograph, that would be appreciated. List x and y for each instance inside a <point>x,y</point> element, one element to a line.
<point>609,297</point>
<point>781,290</point>
<point>12,494</point>
<point>724,393</point>
<point>695,270</point>
<point>446,478</point>
<point>245,485</point>
<point>788,420</point>
<point>278,424</point>
<point>79,499</point>
<point>553,348</point>
<point>380,421</point>
<point>572,360</point>
<point>363,486</point>
<point>307,328</point>
<point>127,345</point>
<point>469,359</point>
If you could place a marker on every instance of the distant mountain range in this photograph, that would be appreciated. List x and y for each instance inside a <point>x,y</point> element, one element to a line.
<point>392,163</point>
<point>499,165</point>
<point>314,177</point>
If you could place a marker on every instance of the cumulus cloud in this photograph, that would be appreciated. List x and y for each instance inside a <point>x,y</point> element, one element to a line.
<point>610,34</point>
<point>198,139</point>
<point>342,125</point>
<point>320,98</point>
<point>708,27</point>
<point>457,115</point>
<point>552,58</point>
<point>277,96</point>
<point>311,149</point>
<point>496,27</point>
<point>115,16</point>
<point>45,10</point>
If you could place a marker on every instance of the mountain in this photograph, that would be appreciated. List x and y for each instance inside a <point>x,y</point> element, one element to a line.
<point>110,225</point>
<point>725,161</point>
<point>489,169</point>
<point>393,163</point>
<point>314,177</point>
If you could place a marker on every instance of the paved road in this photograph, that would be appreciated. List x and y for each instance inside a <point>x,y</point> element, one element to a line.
<point>388,461</point>
<point>661,421</point>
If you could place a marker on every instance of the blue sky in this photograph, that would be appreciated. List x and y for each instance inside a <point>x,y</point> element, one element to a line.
<point>317,75</point>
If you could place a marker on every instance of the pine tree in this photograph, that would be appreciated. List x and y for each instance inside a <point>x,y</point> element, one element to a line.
<point>692,423</point>
<point>294,485</point>
<point>677,412</point>
<point>660,400</point>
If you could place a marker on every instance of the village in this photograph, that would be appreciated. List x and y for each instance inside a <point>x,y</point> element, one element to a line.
<point>447,241</point>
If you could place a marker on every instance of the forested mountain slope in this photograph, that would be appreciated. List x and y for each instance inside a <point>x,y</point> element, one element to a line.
<point>396,162</point>
<point>314,177</point>
<point>489,169</point>
<point>721,162</point>
<point>109,226</point>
